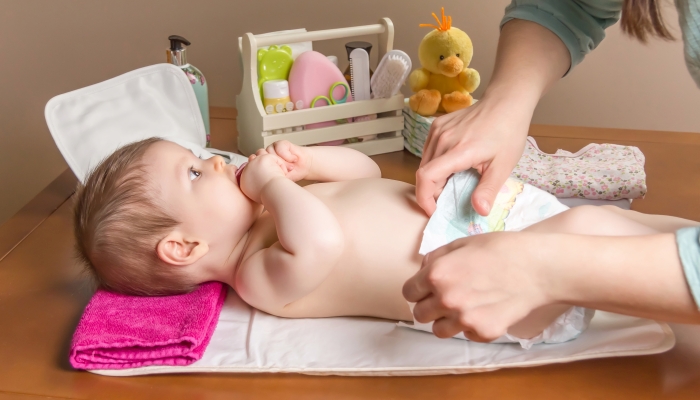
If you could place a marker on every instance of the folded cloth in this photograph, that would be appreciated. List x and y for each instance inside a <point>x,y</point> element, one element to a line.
<point>597,171</point>
<point>118,331</point>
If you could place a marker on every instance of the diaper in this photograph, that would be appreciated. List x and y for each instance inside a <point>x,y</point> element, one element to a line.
<point>517,206</point>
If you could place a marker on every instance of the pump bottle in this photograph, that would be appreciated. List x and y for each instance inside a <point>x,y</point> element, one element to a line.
<point>177,55</point>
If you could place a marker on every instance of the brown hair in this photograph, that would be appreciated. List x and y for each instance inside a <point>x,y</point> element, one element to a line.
<point>642,18</point>
<point>118,225</point>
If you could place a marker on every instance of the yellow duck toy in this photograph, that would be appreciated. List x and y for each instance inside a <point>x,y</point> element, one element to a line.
<point>444,82</point>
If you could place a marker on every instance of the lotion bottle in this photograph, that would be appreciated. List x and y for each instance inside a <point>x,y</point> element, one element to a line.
<point>177,55</point>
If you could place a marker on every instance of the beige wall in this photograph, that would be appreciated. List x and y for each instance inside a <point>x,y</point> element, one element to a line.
<point>51,47</point>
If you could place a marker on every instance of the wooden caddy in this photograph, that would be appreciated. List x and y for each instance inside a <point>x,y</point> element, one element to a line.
<point>256,128</point>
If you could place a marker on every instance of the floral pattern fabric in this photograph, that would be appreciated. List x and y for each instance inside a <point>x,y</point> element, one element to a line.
<point>598,171</point>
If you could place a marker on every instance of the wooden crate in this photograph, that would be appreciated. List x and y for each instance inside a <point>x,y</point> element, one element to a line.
<point>257,129</point>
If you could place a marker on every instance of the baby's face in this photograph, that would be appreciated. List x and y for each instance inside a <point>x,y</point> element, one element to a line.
<point>202,194</point>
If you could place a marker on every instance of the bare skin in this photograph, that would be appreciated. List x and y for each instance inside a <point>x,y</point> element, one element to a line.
<point>344,247</point>
<point>490,135</point>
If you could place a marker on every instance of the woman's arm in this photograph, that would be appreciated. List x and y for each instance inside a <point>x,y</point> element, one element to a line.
<point>640,276</point>
<point>540,41</point>
<point>586,256</point>
<point>490,135</point>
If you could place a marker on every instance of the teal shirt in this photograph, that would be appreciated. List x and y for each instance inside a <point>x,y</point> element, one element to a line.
<point>581,25</point>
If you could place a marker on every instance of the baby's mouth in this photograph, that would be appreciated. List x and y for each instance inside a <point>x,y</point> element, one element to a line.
<point>239,172</point>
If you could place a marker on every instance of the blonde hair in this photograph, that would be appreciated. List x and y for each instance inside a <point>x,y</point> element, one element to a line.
<point>118,224</point>
<point>642,19</point>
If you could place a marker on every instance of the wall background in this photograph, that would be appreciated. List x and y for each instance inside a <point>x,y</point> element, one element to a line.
<point>52,47</point>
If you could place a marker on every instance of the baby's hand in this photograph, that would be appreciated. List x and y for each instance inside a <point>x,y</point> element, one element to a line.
<point>297,159</point>
<point>261,169</point>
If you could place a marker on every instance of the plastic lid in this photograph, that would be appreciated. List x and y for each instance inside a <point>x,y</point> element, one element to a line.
<point>176,42</point>
<point>276,89</point>
<point>333,59</point>
<point>350,46</point>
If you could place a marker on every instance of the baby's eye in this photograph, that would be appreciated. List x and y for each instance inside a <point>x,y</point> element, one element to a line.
<point>194,174</point>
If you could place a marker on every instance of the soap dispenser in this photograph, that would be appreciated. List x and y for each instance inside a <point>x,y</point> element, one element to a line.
<point>177,55</point>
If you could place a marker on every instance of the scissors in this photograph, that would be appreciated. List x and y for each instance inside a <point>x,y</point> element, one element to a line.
<point>332,100</point>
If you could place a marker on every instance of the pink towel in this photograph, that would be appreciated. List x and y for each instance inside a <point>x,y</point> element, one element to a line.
<point>118,331</point>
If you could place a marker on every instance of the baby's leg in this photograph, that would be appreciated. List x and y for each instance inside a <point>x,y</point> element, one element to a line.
<point>583,220</point>
<point>662,223</point>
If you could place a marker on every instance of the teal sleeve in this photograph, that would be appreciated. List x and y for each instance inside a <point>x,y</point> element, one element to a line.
<point>688,240</point>
<point>580,24</point>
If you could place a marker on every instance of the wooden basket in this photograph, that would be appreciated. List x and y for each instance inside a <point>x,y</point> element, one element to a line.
<point>256,129</point>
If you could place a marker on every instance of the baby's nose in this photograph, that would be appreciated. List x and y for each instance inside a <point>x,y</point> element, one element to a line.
<point>218,163</point>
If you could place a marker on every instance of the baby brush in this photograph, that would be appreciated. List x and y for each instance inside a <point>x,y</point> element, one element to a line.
<point>391,73</point>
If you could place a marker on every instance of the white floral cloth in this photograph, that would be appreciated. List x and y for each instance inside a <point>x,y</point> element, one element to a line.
<point>598,171</point>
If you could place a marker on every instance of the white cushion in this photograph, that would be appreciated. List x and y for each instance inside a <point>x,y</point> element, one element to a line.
<point>89,124</point>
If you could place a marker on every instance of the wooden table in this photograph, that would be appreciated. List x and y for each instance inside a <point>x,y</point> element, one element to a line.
<point>42,294</point>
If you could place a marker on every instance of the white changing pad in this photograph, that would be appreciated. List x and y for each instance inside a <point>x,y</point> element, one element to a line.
<point>247,340</point>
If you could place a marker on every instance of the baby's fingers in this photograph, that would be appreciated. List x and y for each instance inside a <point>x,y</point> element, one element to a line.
<point>283,149</point>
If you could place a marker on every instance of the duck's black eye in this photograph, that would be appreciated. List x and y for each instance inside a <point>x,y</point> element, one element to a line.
<point>442,57</point>
<point>457,54</point>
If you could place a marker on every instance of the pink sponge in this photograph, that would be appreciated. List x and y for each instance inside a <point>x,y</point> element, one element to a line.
<point>313,75</point>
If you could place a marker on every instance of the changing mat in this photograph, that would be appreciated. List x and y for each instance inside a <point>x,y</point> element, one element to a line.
<point>247,340</point>
<point>92,122</point>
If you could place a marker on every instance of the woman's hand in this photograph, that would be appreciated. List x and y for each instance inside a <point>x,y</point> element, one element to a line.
<point>481,285</point>
<point>488,136</point>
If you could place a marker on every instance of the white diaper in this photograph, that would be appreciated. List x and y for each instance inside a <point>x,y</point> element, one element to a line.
<point>517,206</point>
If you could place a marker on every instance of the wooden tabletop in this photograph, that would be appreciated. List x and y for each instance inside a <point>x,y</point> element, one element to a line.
<point>42,294</point>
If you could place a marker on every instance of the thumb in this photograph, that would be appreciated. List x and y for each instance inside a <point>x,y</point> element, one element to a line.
<point>486,191</point>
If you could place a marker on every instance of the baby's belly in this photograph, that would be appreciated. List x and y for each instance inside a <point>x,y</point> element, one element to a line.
<point>383,228</point>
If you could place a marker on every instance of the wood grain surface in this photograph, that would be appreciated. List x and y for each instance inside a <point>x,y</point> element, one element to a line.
<point>43,292</point>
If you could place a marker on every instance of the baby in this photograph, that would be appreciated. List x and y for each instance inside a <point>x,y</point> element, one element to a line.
<point>154,219</point>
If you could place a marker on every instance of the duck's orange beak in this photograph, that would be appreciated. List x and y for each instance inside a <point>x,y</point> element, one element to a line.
<point>451,66</point>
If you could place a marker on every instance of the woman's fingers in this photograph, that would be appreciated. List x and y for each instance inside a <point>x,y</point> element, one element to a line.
<point>431,178</point>
<point>427,310</point>
<point>417,287</point>
<point>446,328</point>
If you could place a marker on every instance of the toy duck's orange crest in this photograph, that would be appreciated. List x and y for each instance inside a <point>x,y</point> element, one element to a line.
<point>443,25</point>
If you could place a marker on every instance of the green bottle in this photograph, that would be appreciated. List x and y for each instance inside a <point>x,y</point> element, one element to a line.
<point>176,55</point>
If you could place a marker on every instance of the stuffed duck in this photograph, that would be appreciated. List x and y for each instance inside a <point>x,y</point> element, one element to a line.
<point>444,82</point>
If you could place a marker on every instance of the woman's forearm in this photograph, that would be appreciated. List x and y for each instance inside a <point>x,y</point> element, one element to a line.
<point>640,275</point>
<point>530,59</point>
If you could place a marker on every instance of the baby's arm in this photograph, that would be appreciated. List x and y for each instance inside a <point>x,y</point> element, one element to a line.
<point>310,240</point>
<point>323,163</point>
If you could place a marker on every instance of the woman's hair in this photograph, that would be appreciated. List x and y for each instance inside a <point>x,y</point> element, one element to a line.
<point>642,18</point>
<point>118,224</point>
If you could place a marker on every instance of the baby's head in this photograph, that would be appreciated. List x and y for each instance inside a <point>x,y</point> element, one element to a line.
<point>154,219</point>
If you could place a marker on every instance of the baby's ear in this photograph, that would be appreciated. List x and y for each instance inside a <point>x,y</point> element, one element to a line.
<point>176,249</point>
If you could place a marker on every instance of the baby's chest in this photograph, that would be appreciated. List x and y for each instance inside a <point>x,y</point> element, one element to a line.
<point>263,234</point>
